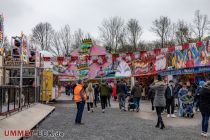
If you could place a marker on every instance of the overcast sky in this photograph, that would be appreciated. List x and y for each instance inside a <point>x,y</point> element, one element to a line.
<point>23,15</point>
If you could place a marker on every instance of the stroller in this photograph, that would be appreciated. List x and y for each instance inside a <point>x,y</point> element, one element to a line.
<point>131,104</point>
<point>186,107</point>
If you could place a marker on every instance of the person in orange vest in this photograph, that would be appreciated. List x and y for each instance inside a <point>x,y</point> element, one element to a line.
<point>79,98</point>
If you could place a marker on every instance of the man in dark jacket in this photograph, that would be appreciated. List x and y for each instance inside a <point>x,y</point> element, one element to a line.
<point>103,90</point>
<point>136,93</point>
<point>121,91</point>
<point>151,96</point>
<point>205,107</point>
<point>109,95</point>
<point>197,95</point>
<point>170,99</point>
<point>96,94</point>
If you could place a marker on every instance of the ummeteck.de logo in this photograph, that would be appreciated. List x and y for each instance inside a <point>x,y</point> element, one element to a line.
<point>38,133</point>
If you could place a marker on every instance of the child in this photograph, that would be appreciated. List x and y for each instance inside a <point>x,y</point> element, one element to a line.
<point>90,97</point>
<point>187,103</point>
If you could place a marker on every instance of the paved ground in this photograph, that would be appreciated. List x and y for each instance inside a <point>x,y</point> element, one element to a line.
<point>114,124</point>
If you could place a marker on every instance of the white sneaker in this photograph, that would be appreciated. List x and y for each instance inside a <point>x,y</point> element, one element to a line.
<point>88,111</point>
<point>103,111</point>
<point>168,116</point>
<point>205,134</point>
<point>202,133</point>
<point>173,116</point>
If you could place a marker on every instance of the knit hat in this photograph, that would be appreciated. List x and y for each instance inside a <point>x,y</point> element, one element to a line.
<point>201,83</point>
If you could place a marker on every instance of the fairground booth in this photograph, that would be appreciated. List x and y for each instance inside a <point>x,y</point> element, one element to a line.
<point>20,76</point>
<point>189,62</point>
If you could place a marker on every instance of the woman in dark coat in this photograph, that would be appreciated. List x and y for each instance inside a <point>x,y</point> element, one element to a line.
<point>205,107</point>
<point>159,100</point>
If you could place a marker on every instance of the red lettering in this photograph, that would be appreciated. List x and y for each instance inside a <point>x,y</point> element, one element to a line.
<point>28,132</point>
<point>20,133</point>
<point>6,133</point>
<point>13,133</point>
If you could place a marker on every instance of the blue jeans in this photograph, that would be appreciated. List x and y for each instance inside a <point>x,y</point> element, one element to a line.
<point>121,98</point>
<point>137,102</point>
<point>80,108</point>
<point>205,122</point>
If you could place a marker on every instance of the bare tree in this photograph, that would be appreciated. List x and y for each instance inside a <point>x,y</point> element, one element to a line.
<point>182,33</point>
<point>42,35</point>
<point>56,48</point>
<point>123,40</point>
<point>161,27</point>
<point>77,38</point>
<point>111,31</point>
<point>134,32</point>
<point>200,25</point>
<point>65,34</point>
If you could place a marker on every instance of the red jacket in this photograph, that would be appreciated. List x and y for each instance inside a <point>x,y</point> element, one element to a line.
<point>114,91</point>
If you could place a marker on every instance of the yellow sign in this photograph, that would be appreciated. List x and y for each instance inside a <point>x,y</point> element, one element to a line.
<point>47,85</point>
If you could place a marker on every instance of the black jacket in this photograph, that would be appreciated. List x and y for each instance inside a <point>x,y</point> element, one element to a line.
<point>177,88</point>
<point>121,88</point>
<point>169,94</point>
<point>205,99</point>
<point>151,93</point>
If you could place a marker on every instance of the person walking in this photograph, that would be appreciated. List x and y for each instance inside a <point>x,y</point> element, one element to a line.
<point>121,91</point>
<point>114,91</point>
<point>170,99</point>
<point>68,89</point>
<point>159,100</point>
<point>197,95</point>
<point>151,96</point>
<point>136,93</point>
<point>103,90</point>
<point>205,107</point>
<point>96,93</point>
<point>109,95</point>
<point>80,98</point>
<point>90,97</point>
<point>177,87</point>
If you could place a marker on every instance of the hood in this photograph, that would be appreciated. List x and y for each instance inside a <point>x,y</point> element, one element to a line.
<point>159,83</point>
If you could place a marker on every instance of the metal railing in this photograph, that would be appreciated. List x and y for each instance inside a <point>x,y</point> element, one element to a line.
<point>12,100</point>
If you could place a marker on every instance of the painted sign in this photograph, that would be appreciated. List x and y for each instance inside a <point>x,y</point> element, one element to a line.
<point>193,55</point>
<point>84,57</point>
<point>123,70</point>
<point>150,65</point>
<point>25,56</point>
